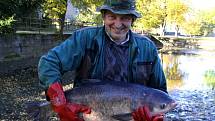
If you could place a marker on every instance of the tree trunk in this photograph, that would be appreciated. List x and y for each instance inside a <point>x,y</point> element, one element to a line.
<point>176,30</point>
<point>61,26</point>
<point>162,27</point>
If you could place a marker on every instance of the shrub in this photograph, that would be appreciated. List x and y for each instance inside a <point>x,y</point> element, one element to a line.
<point>6,25</point>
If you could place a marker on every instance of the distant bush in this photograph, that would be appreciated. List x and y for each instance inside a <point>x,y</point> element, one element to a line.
<point>6,25</point>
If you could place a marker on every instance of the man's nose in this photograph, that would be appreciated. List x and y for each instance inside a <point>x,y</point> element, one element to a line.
<point>118,23</point>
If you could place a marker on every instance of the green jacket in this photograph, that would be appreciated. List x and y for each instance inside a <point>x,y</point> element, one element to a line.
<point>83,52</point>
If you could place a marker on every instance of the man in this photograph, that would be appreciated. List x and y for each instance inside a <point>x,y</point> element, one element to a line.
<point>112,52</point>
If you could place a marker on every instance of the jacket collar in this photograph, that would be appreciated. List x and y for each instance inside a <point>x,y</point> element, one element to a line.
<point>133,45</point>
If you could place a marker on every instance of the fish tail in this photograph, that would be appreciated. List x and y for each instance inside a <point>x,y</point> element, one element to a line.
<point>38,111</point>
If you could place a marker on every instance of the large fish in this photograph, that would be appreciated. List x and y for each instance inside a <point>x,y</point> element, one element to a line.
<point>110,101</point>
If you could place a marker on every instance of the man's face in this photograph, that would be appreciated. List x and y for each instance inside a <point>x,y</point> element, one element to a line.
<point>117,25</point>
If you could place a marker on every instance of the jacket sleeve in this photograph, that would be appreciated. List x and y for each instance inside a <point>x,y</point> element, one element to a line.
<point>60,59</point>
<point>158,79</point>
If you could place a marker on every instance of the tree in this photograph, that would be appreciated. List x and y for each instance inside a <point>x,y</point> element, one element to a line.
<point>56,9</point>
<point>176,11</point>
<point>153,14</point>
<point>27,8</point>
<point>192,27</point>
<point>208,21</point>
<point>156,13</point>
<point>13,9</point>
<point>87,9</point>
<point>18,8</point>
<point>6,9</point>
<point>199,22</point>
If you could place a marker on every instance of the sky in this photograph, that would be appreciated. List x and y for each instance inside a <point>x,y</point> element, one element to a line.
<point>202,4</point>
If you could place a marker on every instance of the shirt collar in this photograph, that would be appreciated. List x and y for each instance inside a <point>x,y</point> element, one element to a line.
<point>121,43</point>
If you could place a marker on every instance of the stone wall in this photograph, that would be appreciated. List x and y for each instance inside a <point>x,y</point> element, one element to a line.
<point>24,50</point>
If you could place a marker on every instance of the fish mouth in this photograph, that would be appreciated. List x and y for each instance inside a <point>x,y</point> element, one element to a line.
<point>169,107</point>
<point>173,104</point>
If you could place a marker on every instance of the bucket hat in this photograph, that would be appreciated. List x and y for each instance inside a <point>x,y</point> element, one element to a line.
<point>120,7</point>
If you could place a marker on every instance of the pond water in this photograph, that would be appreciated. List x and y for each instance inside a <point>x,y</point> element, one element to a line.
<point>191,81</point>
<point>192,70</point>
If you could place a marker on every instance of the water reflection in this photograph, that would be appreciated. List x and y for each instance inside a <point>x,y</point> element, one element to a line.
<point>172,71</point>
<point>191,71</point>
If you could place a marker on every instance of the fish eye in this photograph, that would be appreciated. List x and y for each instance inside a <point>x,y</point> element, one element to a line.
<point>162,106</point>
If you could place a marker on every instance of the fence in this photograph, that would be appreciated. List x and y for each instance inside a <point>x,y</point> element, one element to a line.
<point>35,25</point>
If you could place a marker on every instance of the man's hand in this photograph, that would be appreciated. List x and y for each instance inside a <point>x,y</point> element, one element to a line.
<point>71,111</point>
<point>66,111</point>
<point>143,114</point>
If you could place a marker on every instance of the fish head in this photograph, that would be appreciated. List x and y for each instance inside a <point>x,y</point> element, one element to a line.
<point>159,102</point>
